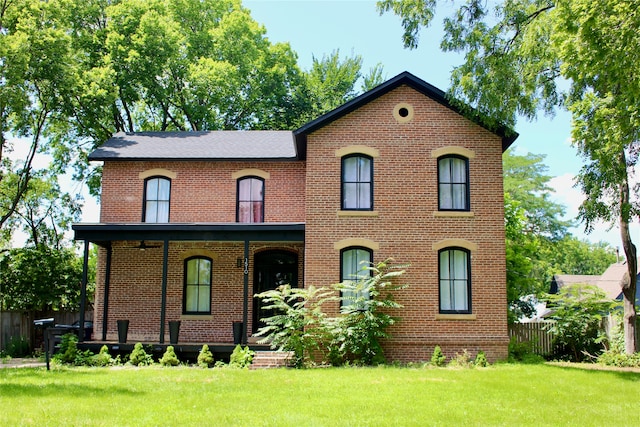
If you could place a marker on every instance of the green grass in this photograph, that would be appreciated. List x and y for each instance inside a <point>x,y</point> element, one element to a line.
<point>509,395</point>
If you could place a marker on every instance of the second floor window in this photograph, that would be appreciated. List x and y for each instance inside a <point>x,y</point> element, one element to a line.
<point>357,183</point>
<point>453,183</point>
<point>250,200</point>
<point>157,193</point>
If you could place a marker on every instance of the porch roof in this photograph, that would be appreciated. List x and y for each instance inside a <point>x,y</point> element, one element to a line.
<point>103,234</point>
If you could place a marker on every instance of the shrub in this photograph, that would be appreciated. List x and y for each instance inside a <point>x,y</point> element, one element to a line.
<point>481,360</point>
<point>365,305</point>
<point>68,349</point>
<point>205,357</point>
<point>461,360</point>
<point>103,358</point>
<point>298,323</point>
<point>139,357</point>
<point>169,358</point>
<point>241,357</point>
<point>17,347</point>
<point>438,358</point>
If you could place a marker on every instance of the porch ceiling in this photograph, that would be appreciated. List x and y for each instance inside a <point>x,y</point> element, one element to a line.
<point>104,234</point>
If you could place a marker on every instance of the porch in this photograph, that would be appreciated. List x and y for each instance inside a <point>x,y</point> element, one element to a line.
<point>142,269</point>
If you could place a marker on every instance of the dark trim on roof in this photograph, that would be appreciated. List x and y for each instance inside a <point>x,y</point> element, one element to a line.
<point>104,234</point>
<point>508,135</point>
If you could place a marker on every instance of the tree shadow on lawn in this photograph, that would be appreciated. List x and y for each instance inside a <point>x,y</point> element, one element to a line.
<point>41,383</point>
<point>629,374</point>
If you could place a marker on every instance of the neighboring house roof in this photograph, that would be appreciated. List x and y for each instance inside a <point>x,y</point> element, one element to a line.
<point>210,145</point>
<point>508,135</point>
<point>560,280</point>
<point>264,144</point>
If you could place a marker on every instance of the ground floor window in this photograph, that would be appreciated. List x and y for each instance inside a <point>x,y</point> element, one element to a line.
<point>197,286</point>
<point>455,280</point>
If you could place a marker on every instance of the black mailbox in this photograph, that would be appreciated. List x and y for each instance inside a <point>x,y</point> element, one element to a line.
<point>43,322</point>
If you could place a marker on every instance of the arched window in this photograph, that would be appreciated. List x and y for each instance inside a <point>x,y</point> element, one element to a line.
<point>250,205</point>
<point>453,183</point>
<point>455,280</point>
<point>353,261</point>
<point>157,194</point>
<point>357,182</point>
<point>197,286</point>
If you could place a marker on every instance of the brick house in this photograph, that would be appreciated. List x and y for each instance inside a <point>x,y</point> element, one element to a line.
<point>193,224</point>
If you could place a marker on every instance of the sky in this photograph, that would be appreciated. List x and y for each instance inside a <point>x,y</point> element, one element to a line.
<point>315,28</point>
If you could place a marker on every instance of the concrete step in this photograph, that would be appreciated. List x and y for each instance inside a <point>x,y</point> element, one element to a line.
<point>271,359</point>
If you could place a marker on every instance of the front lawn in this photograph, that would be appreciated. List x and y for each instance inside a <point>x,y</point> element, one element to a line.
<point>510,395</point>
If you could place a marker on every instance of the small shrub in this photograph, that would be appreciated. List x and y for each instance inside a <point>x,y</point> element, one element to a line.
<point>481,360</point>
<point>103,358</point>
<point>438,358</point>
<point>139,357</point>
<point>205,357</point>
<point>241,357</point>
<point>461,360</point>
<point>17,347</point>
<point>169,358</point>
<point>68,349</point>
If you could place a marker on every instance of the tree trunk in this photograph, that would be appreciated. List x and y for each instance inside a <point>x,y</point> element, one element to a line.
<point>630,282</point>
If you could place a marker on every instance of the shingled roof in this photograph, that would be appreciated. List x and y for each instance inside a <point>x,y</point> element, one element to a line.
<point>212,145</point>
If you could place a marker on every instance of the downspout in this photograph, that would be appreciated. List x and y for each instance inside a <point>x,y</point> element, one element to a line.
<point>107,285</point>
<point>83,290</point>
<point>163,304</point>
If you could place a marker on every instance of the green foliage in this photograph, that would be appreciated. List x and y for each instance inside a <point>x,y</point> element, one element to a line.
<point>17,347</point>
<point>365,305</point>
<point>205,357</point>
<point>139,357</point>
<point>103,358</point>
<point>169,358</point>
<point>481,360</point>
<point>438,358</point>
<point>522,352</point>
<point>578,311</point>
<point>241,357</point>
<point>68,352</point>
<point>461,360</point>
<point>41,279</point>
<point>298,323</point>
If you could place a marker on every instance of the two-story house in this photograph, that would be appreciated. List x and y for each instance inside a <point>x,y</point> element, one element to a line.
<point>193,224</point>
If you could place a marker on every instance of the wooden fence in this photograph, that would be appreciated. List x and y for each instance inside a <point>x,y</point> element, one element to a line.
<point>17,324</point>
<point>534,333</point>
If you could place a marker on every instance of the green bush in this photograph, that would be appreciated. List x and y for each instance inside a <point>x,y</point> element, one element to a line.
<point>365,305</point>
<point>103,358</point>
<point>205,357</point>
<point>461,360</point>
<point>17,347</point>
<point>438,358</point>
<point>68,349</point>
<point>481,360</point>
<point>578,311</point>
<point>169,358</point>
<point>139,357</point>
<point>241,357</point>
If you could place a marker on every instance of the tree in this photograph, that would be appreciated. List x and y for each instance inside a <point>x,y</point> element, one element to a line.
<point>38,279</point>
<point>526,56</point>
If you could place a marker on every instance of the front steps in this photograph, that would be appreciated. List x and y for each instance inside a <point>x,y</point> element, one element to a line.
<point>271,359</point>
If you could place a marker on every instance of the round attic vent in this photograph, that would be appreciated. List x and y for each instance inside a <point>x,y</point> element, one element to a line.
<point>403,112</point>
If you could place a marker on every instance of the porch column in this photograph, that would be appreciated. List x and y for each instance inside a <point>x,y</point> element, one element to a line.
<point>245,299</point>
<point>105,302</point>
<point>163,304</point>
<point>83,290</point>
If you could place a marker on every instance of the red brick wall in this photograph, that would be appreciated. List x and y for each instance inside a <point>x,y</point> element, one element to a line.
<point>405,197</point>
<point>201,191</point>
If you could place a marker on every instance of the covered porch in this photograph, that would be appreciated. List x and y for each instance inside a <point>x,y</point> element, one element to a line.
<point>141,274</point>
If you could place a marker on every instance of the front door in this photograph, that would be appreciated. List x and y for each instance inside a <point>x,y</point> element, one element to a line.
<point>272,269</point>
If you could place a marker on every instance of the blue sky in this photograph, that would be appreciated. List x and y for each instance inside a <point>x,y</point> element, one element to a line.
<point>318,27</point>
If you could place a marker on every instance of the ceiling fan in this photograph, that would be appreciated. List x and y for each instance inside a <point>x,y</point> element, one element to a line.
<point>143,246</point>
